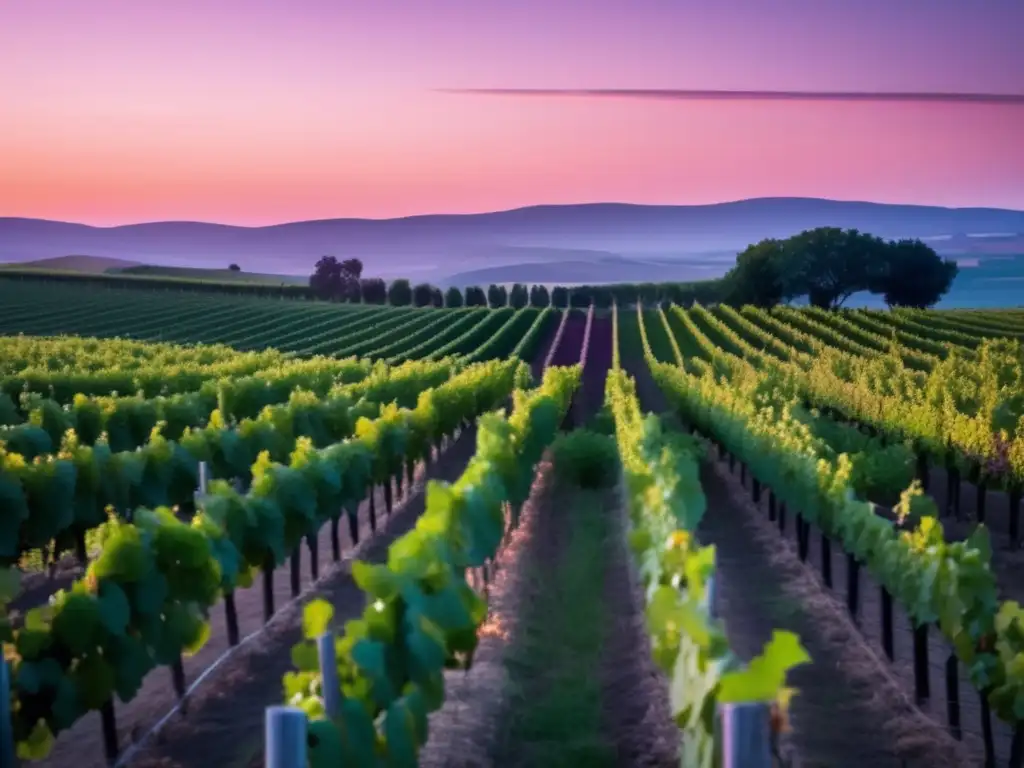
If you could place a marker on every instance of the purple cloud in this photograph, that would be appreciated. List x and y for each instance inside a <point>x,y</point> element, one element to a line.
<point>707,95</point>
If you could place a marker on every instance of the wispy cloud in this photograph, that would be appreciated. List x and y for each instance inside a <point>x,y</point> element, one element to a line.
<point>698,95</point>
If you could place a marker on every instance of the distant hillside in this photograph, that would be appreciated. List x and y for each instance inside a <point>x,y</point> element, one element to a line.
<point>594,272</point>
<point>85,264</point>
<point>437,247</point>
<point>218,275</point>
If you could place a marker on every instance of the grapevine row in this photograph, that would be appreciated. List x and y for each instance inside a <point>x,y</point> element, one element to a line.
<point>422,616</point>
<point>64,495</point>
<point>666,504</point>
<point>145,598</point>
<point>950,584</point>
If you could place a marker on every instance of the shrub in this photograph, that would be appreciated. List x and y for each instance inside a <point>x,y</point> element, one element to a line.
<point>586,459</point>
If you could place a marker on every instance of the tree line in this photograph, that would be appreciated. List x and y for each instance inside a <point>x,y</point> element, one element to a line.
<point>334,280</point>
<point>828,265</point>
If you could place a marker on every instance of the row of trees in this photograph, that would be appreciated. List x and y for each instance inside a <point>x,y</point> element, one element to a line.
<point>334,280</point>
<point>828,265</point>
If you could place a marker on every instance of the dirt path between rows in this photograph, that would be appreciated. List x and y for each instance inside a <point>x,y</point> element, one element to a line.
<point>852,710</point>
<point>544,348</point>
<point>521,664</point>
<point>466,731</point>
<point>635,693</point>
<point>599,362</point>
<point>868,602</point>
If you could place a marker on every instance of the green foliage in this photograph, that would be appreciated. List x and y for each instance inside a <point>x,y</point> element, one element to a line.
<point>423,295</point>
<point>560,297</point>
<point>335,280</point>
<point>373,290</point>
<point>666,504</point>
<point>453,297</point>
<point>586,459</point>
<point>400,293</point>
<point>518,297</point>
<point>497,296</point>
<point>539,296</point>
<point>828,265</point>
<point>752,414</point>
<point>912,274</point>
<point>145,598</point>
<point>421,615</point>
<point>475,296</point>
<point>757,278</point>
<point>602,422</point>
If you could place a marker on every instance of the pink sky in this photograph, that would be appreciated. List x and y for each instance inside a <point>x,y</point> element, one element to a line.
<point>113,111</point>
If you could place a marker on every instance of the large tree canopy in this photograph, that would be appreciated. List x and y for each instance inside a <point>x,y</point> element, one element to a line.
<point>400,293</point>
<point>336,280</point>
<point>757,277</point>
<point>423,295</point>
<point>913,275</point>
<point>828,265</point>
<point>497,296</point>
<point>453,297</point>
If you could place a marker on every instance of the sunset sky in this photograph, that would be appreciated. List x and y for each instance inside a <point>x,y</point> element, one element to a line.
<point>258,112</point>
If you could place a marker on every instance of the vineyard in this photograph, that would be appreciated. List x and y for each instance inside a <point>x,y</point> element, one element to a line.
<point>507,536</point>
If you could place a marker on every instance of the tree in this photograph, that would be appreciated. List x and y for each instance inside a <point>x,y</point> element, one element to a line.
<point>539,296</point>
<point>373,290</point>
<point>497,296</point>
<point>602,297</point>
<point>453,297</point>
<point>757,277</point>
<point>518,297</point>
<point>624,293</point>
<point>234,268</point>
<point>325,282</point>
<point>913,275</point>
<point>436,297</point>
<point>647,292</point>
<point>560,297</point>
<point>352,273</point>
<point>400,293</point>
<point>475,296</point>
<point>580,297</point>
<point>423,295</point>
<point>828,265</point>
<point>336,281</point>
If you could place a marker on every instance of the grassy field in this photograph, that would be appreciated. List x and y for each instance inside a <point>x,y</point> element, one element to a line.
<point>213,275</point>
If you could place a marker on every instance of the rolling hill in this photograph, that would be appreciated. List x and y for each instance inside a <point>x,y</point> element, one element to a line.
<point>443,248</point>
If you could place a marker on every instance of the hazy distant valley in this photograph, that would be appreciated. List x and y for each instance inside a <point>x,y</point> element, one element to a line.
<point>601,243</point>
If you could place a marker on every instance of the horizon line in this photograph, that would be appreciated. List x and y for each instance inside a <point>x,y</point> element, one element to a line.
<point>673,94</point>
<point>734,201</point>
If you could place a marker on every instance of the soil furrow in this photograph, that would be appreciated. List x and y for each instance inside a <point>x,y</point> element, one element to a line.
<point>463,733</point>
<point>851,710</point>
<point>637,712</point>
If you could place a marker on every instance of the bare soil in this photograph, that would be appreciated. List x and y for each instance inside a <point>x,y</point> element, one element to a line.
<point>571,343</point>
<point>637,712</point>
<point>465,731</point>
<point>868,622</point>
<point>853,709</point>
<point>598,363</point>
<point>544,348</point>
